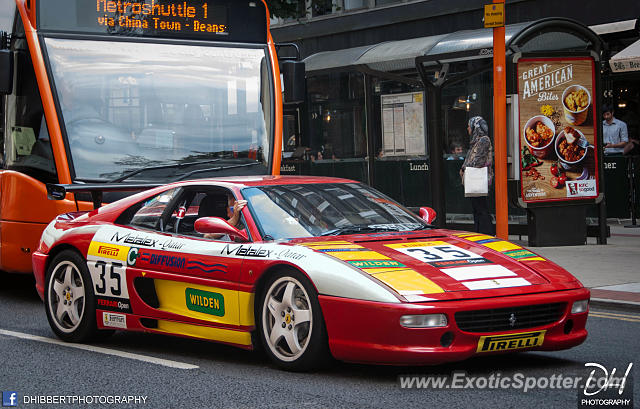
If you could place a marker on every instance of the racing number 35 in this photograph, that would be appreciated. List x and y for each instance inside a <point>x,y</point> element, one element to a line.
<point>115,274</point>
<point>435,253</point>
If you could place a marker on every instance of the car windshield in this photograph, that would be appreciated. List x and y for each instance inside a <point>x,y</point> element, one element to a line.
<point>306,210</point>
<point>128,106</point>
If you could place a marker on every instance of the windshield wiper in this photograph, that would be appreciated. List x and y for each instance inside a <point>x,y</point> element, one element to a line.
<point>368,229</point>
<point>167,166</point>
<point>354,229</point>
<point>216,169</point>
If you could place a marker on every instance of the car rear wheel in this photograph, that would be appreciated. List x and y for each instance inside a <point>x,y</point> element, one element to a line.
<point>69,299</point>
<point>291,323</point>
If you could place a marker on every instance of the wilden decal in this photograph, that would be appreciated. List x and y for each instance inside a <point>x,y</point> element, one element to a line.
<point>205,302</point>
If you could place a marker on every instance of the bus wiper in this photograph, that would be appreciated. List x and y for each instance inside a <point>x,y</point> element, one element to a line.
<point>216,169</point>
<point>167,166</point>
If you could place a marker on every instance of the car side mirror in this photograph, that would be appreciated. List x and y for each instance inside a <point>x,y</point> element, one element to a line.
<point>293,76</point>
<point>428,214</point>
<point>6,72</point>
<point>217,225</point>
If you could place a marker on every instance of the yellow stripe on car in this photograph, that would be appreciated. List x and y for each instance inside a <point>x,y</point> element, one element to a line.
<point>205,303</point>
<point>502,246</point>
<point>358,255</point>
<point>416,244</point>
<point>198,331</point>
<point>408,280</point>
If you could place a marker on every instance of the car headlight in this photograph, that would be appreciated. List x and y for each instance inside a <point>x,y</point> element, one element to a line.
<point>424,321</point>
<point>579,306</point>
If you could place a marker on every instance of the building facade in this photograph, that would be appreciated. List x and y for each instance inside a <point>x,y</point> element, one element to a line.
<point>341,130</point>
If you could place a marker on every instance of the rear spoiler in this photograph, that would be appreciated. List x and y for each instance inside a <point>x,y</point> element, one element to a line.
<point>59,192</point>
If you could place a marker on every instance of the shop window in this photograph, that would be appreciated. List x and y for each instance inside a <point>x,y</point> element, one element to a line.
<point>322,7</point>
<point>354,4</point>
<point>461,102</point>
<point>27,144</point>
<point>337,117</point>
<point>385,2</point>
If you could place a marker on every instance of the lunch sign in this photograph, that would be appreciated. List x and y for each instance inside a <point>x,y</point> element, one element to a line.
<point>558,146</point>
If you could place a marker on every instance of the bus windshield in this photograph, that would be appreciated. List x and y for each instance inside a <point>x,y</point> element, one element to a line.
<point>127,106</point>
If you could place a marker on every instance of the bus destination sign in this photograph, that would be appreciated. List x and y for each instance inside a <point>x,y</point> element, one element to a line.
<point>221,20</point>
<point>161,16</point>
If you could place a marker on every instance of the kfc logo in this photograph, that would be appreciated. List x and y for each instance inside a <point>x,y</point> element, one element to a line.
<point>581,188</point>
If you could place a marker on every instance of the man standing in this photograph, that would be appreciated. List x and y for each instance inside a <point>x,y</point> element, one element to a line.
<point>615,135</point>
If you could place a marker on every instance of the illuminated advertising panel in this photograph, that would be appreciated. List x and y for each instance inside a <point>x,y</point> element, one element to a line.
<point>558,129</point>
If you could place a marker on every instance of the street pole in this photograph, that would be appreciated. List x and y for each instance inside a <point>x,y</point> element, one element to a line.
<point>500,128</point>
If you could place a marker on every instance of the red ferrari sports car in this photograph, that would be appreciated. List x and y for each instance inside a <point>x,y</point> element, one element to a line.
<point>309,267</point>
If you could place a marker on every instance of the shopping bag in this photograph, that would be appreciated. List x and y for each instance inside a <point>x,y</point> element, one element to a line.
<point>476,181</point>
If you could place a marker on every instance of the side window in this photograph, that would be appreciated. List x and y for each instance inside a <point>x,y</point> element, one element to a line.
<point>199,204</point>
<point>147,215</point>
<point>27,143</point>
<point>203,202</point>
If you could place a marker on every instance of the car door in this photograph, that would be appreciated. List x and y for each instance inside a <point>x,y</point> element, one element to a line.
<point>194,279</point>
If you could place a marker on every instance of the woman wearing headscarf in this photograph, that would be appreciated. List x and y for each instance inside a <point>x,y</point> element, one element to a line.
<point>480,154</point>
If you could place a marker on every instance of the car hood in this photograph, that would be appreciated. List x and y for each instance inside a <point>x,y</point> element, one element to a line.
<point>445,265</point>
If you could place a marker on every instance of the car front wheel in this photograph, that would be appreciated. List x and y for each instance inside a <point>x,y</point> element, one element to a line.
<point>291,323</point>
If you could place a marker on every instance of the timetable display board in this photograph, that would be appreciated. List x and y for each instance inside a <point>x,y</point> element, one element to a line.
<point>218,20</point>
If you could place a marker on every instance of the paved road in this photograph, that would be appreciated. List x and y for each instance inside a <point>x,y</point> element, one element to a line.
<point>226,377</point>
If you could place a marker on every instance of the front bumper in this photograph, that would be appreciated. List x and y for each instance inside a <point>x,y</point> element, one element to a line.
<point>39,261</point>
<point>364,331</point>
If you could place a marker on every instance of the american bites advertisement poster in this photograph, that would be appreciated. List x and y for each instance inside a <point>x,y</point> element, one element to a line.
<point>558,146</point>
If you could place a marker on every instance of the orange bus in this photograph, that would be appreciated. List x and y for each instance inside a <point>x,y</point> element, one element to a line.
<point>138,91</point>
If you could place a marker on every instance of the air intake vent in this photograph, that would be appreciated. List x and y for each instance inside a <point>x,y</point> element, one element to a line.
<point>505,319</point>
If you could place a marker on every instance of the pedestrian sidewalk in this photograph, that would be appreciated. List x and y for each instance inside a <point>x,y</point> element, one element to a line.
<point>611,271</point>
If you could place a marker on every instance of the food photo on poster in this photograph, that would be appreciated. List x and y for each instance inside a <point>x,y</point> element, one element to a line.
<point>558,156</point>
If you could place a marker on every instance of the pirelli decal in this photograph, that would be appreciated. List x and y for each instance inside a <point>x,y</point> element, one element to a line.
<point>494,343</point>
<point>108,250</point>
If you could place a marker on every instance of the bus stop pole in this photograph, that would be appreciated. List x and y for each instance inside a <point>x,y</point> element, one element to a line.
<point>500,129</point>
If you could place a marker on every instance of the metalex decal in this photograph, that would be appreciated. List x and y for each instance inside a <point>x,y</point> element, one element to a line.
<point>143,240</point>
<point>249,251</point>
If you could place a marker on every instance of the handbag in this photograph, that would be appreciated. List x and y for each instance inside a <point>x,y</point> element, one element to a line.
<point>476,181</point>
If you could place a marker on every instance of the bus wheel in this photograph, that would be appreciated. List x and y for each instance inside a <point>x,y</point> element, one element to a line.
<point>291,325</point>
<point>69,299</point>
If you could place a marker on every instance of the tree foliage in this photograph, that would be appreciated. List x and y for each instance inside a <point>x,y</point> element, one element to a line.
<point>296,8</point>
<point>284,8</point>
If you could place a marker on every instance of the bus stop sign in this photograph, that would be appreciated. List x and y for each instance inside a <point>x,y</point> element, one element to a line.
<point>493,15</point>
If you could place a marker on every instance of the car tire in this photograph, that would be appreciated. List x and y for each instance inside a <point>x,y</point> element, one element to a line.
<point>69,300</point>
<point>290,322</point>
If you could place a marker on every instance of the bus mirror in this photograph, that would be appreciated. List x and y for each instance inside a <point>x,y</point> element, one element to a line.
<point>6,72</point>
<point>294,82</point>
